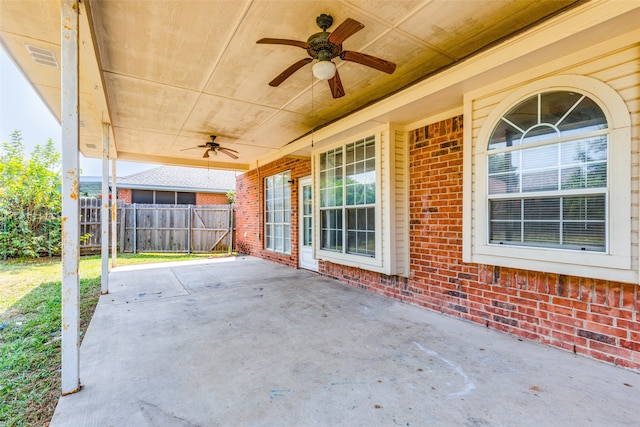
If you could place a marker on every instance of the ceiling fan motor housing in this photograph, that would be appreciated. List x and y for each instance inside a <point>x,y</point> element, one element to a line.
<point>321,48</point>
<point>324,46</point>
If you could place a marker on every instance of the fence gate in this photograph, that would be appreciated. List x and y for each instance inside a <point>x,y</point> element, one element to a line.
<point>163,228</point>
<point>178,228</point>
<point>212,228</point>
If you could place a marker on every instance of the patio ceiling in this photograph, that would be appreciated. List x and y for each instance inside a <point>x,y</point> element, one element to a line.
<point>168,74</point>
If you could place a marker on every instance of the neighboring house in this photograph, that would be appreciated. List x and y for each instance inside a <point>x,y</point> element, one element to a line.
<point>512,203</point>
<point>177,185</point>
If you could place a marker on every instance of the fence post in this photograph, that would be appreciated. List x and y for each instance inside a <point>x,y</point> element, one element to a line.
<point>189,213</point>
<point>123,226</point>
<point>135,229</point>
<point>230,222</point>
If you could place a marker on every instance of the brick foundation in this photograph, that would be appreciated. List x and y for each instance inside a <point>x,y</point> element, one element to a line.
<point>595,318</point>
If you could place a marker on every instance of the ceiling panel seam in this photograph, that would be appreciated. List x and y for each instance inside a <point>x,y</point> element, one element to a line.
<point>225,45</point>
<point>397,28</point>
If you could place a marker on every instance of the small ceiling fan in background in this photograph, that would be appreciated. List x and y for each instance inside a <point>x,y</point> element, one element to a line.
<point>324,46</point>
<point>212,148</point>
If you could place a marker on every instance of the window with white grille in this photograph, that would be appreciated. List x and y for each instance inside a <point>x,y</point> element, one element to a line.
<point>548,183</point>
<point>548,174</point>
<point>348,198</point>
<point>277,234</point>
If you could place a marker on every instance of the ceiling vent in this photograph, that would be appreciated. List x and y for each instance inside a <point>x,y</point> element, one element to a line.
<point>92,146</point>
<point>43,56</point>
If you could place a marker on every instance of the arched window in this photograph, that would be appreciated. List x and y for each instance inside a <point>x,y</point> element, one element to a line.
<point>548,184</point>
<point>548,173</point>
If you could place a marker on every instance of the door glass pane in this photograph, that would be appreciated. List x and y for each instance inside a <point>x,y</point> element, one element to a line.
<point>307,216</point>
<point>308,232</point>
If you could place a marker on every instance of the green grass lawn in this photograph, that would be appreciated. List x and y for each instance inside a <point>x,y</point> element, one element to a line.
<point>30,319</point>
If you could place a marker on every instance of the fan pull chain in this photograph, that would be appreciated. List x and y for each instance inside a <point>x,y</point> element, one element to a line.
<point>312,119</point>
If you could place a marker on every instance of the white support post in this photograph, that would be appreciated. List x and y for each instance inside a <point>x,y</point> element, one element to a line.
<point>104,211</point>
<point>70,199</point>
<point>114,216</point>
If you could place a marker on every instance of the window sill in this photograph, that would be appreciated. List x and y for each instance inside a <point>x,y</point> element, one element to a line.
<point>363,262</point>
<point>573,263</point>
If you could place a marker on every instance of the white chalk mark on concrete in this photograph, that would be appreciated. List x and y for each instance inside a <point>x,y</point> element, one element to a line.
<point>468,384</point>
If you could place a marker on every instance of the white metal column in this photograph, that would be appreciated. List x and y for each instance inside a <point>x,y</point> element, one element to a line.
<point>104,211</point>
<point>70,199</point>
<point>114,216</point>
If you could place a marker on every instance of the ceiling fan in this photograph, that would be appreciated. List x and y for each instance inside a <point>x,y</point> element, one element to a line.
<point>324,46</point>
<point>212,149</point>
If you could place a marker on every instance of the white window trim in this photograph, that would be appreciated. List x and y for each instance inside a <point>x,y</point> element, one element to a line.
<point>265,223</point>
<point>360,261</point>
<point>616,264</point>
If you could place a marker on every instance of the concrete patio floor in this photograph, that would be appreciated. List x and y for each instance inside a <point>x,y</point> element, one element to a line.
<point>245,342</point>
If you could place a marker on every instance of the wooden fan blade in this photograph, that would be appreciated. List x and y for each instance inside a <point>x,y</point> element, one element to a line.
<point>193,148</point>
<point>335,84</point>
<point>228,152</point>
<point>228,149</point>
<point>287,42</point>
<point>287,73</point>
<point>370,61</point>
<point>345,30</point>
<point>206,155</point>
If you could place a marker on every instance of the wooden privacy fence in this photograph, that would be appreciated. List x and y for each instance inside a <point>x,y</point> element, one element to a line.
<point>163,228</point>
<point>90,225</point>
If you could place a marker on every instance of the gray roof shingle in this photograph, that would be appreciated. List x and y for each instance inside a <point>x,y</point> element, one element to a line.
<point>181,178</point>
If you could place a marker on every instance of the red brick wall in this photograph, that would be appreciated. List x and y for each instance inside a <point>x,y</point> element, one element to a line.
<point>596,318</point>
<point>211,199</point>
<point>250,209</point>
<point>124,194</point>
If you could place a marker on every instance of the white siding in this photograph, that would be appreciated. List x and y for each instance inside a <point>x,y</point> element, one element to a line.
<point>401,202</point>
<point>619,68</point>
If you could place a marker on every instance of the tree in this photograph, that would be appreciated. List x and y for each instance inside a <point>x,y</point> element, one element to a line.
<point>231,196</point>
<point>30,199</point>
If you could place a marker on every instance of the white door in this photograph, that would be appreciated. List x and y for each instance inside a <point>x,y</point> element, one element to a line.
<point>305,222</point>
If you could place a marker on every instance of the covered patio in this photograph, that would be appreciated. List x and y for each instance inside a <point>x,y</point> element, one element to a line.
<point>243,341</point>
<point>180,84</point>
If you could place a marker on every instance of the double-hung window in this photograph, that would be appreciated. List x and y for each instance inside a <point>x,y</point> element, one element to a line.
<point>348,198</point>
<point>277,235</point>
<point>550,180</point>
<point>548,175</point>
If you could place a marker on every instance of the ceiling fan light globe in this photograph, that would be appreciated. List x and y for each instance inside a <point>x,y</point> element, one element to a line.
<point>324,70</point>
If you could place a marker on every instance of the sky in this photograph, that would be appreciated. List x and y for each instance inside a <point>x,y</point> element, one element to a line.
<point>21,108</point>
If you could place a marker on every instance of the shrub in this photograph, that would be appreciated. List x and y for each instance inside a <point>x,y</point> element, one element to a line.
<point>30,200</point>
